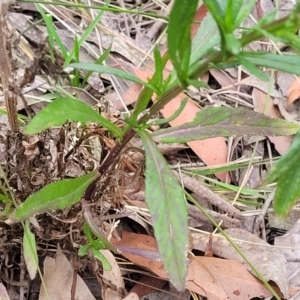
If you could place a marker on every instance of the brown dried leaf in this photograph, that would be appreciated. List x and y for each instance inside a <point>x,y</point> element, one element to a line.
<point>257,251</point>
<point>218,277</point>
<point>211,277</point>
<point>131,296</point>
<point>260,98</point>
<point>58,279</point>
<point>113,277</point>
<point>293,92</point>
<point>142,243</point>
<point>3,293</point>
<point>289,245</point>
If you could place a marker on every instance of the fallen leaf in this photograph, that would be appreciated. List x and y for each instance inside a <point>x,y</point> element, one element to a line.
<point>3,293</point>
<point>257,251</point>
<point>293,92</point>
<point>143,243</point>
<point>263,86</point>
<point>288,244</point>
<point>58,280</point>
<point>131,296</point>
<point>224,279</point>
<point>260,99</point>
<point>212,151</point>
<point>114,278</point>
<point>147,285</point>
<point>214,278</point>
<point>224,79</point>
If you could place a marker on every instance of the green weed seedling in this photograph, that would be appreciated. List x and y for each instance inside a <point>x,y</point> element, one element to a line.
<point>93,246</point>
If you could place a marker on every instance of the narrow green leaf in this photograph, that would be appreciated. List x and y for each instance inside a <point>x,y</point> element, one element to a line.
<point>87,33</point>
<point>225,121</point>
<point>76,77</point>
<point>179,36</point>
<point>174,116</point>
<point>166,202</point>
<point>217,9</point>
<point>242,9</point>
<point>52,33</point>
<point>105,263</point>
<point>140,107</point>
<point>207,36</point>
<point>30,251</point>
<point>91,226</point>
<point>82,251</point>
<point>286,63</point>
<point>112,71</point>
<point>197,83</point>
<point>88,233</point>
<point>97,244</point>
<point>252,68</point>
<point>159,66</point>
<point>231,11</point>
<point>99,61</point>
<point>233,44</point>
<point>63,109</point>
<point>58,195</point>
<point>287,174</point>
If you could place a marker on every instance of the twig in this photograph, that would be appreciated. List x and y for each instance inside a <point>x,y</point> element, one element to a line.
<point>10,98</point>
<point>194,185</point>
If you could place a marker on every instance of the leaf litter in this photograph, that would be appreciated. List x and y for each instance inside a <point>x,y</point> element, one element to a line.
<point>214,278</point>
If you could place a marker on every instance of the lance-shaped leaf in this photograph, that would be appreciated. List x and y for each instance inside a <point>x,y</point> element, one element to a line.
<point>206,38</point>
<point>58,195</point>
<point>30,251</point>
<point>166,202</point>
<point>225,121</point>
<point>111,71</point>
<point>287,174</point>
<point>179,35</point>
<point>286,63</point>
<point>64,109</point>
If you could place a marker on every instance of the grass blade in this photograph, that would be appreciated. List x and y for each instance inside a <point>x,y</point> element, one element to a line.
<point>286,63</point>
<point>112,71</point>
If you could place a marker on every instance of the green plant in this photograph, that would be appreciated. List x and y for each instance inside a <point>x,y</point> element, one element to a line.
<point>191,59</point>
<point>93,246</point>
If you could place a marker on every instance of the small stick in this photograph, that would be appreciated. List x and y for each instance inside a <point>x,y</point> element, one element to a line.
<point>200,190</point>
<point>10,98</point>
